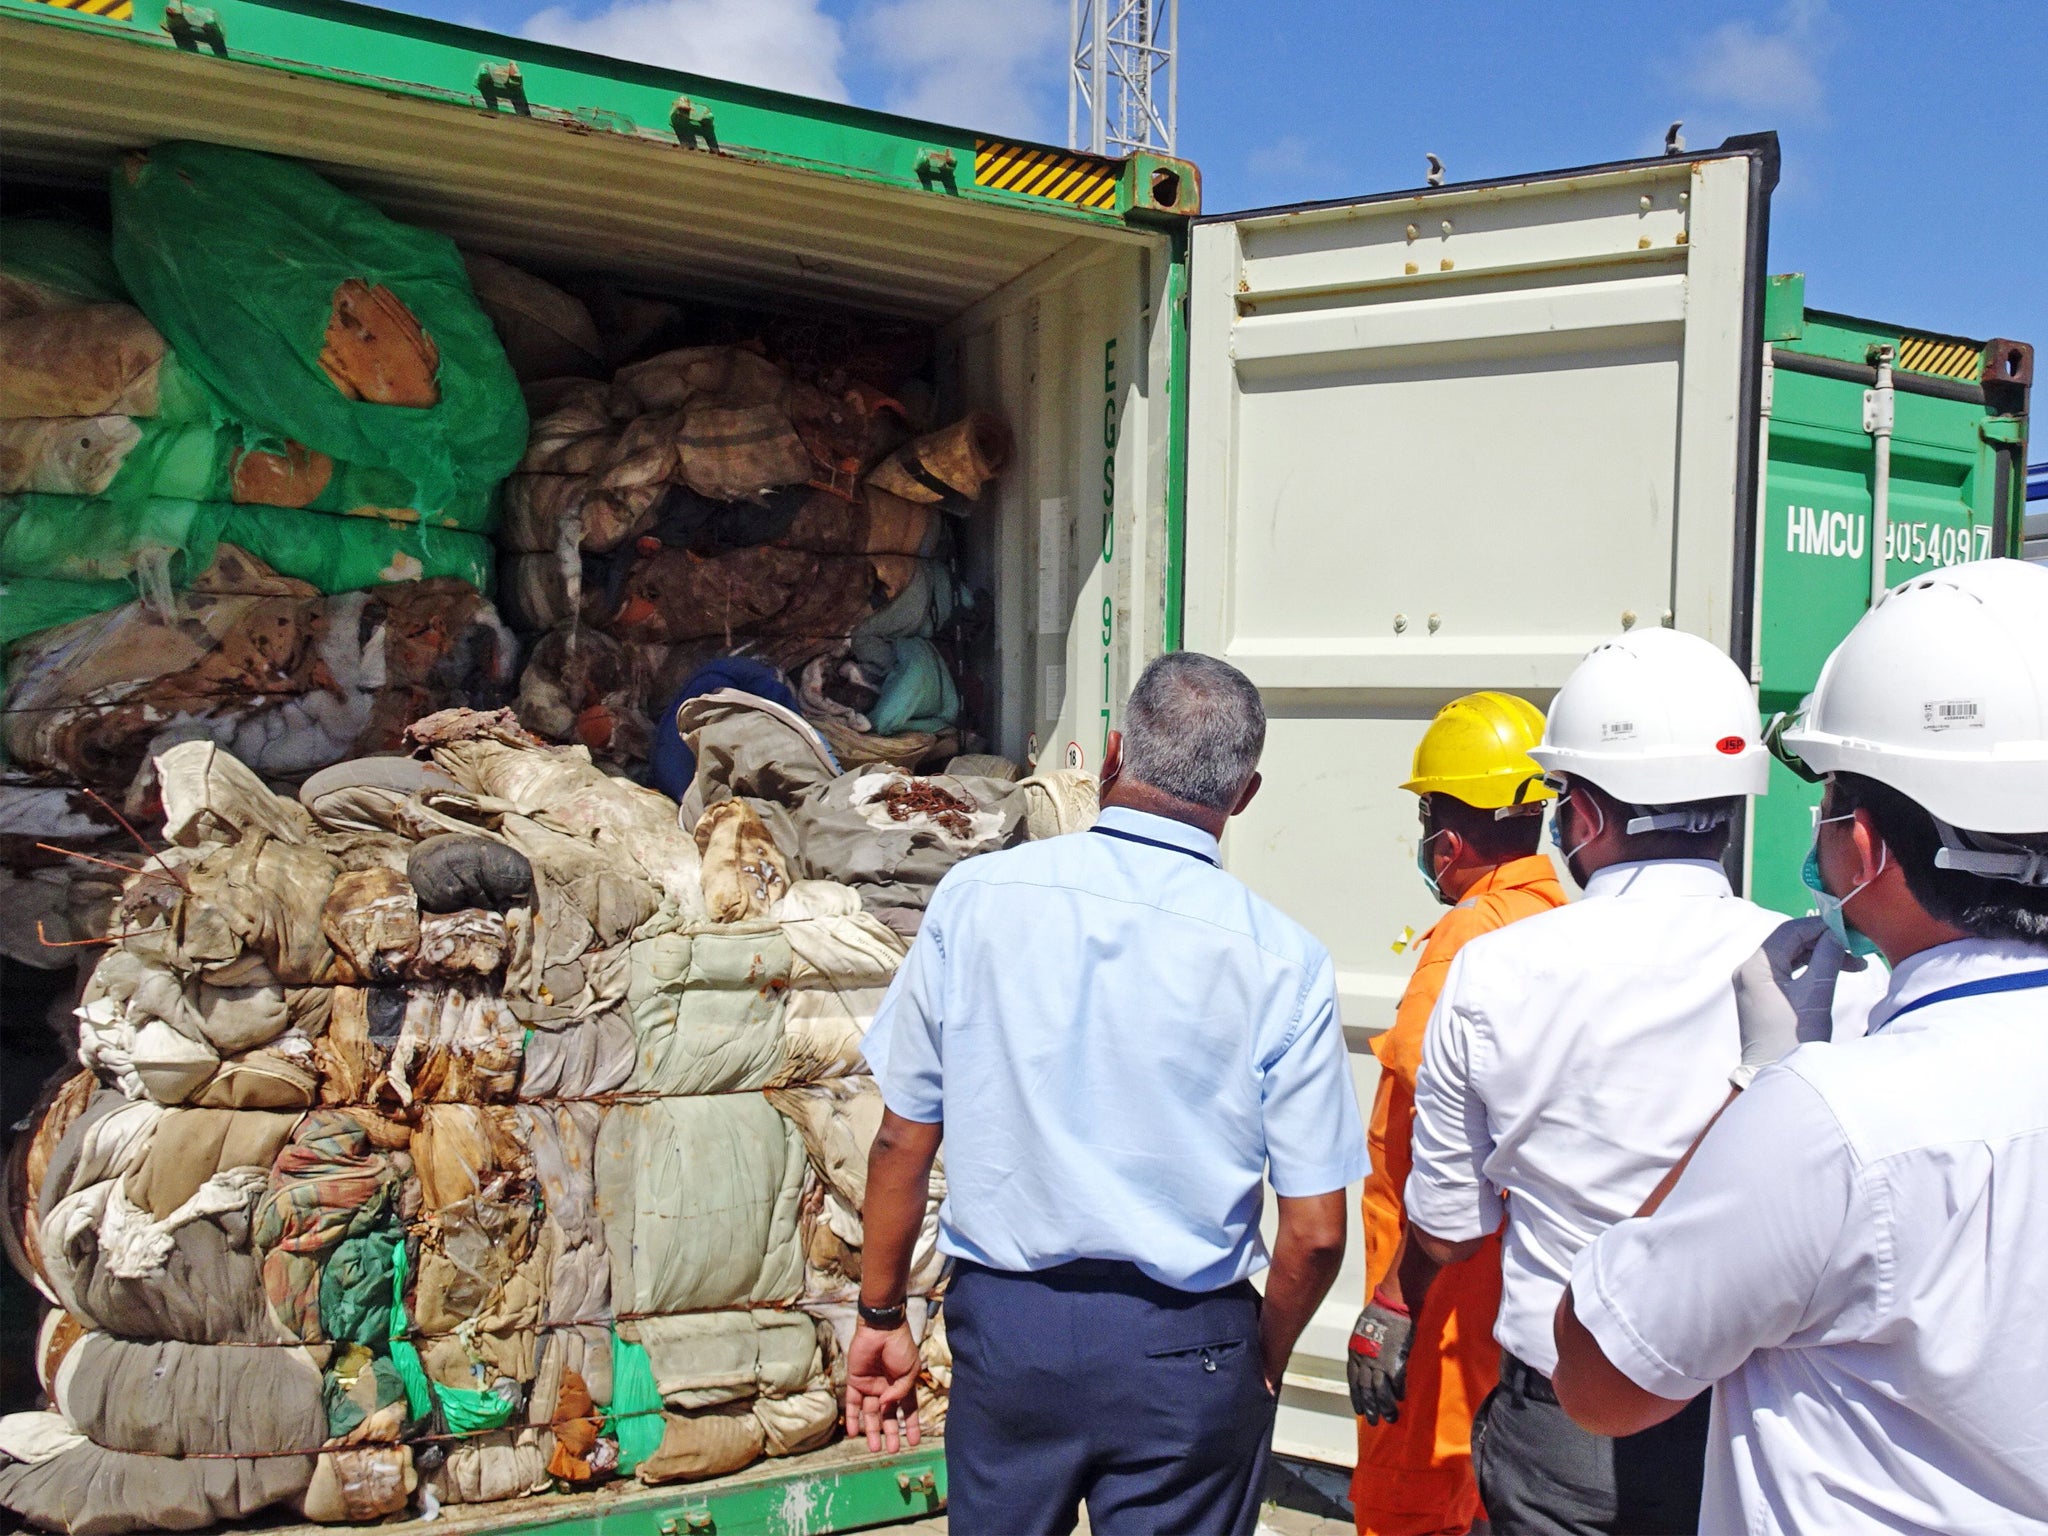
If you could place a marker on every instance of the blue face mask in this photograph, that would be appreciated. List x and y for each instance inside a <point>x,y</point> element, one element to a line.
<point>1831,906</point>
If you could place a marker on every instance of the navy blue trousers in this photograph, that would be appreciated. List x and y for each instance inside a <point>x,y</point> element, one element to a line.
<point>1091,1383</point>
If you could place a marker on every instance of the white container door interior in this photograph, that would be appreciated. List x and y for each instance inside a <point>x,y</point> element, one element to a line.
<point>1441,442</point>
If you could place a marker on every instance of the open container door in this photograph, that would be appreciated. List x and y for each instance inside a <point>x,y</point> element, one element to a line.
<point>1443,441</point>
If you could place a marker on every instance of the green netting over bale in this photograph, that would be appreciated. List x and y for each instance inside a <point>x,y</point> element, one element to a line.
<point>256,270</point>
<point>74,539</point>
<point>71,258</point>
<point>126,459</point>
<point>31,604</point>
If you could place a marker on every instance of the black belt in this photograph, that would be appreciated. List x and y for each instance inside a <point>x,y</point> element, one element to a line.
<point>1523,1383</point>
<point>1109,1274</point>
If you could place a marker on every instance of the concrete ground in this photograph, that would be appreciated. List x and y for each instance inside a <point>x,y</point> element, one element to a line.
<point>1302,1499</point>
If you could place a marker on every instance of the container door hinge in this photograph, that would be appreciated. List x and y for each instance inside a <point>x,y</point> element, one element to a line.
<point>501,83</point>
<point>935,168</point>
<point>692,124</point>
<point>193,27</point>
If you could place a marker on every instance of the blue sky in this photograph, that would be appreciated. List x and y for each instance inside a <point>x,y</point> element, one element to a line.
<point>1915,135</point>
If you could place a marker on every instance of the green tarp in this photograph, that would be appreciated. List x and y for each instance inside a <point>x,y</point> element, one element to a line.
<point>238,258</point>
<point>74,539</point>
<point>72,258</point>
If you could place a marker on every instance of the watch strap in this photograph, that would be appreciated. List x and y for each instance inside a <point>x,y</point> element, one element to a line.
<point>883,1317</point>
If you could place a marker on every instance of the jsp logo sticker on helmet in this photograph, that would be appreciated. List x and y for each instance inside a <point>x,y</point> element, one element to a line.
<point>1951,715</point>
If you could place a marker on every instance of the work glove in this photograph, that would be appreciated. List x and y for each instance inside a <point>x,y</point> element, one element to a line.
<point>1785,993</point>
<point>1376,1365</point>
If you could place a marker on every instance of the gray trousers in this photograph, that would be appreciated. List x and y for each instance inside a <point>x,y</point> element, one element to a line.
<point>1541,1475</point>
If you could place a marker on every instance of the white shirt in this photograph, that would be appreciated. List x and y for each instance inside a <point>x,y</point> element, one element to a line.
<point>1124,1044</point>
<point>1571,1060</point>
<point>1858,1255</point>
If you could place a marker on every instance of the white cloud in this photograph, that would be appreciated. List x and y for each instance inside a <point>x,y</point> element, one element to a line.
<point>791,45</point>
<point>1286,158</point>
<point>1767,70</point>
<point>993,67</point>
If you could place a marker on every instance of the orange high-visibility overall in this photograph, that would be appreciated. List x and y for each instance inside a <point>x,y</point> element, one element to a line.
<point>1414,1476</point>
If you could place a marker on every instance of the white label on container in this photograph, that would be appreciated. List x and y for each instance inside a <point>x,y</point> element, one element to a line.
<point>1055,691</point>
<point>1055,559</point>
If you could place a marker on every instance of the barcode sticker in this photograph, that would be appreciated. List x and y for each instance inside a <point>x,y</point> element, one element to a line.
<point>1952,715</point>
<point>1617,730</point>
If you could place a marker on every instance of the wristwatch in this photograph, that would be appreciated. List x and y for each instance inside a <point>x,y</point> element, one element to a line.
<point>888,1319</point>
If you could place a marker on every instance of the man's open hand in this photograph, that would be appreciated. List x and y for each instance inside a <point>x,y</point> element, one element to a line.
<point>881,1387</point>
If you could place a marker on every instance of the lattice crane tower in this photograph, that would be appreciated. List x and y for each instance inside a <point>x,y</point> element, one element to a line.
<point>1123,82</point>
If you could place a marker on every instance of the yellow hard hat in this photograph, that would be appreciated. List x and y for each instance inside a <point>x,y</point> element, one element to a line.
<point>1477,750</point>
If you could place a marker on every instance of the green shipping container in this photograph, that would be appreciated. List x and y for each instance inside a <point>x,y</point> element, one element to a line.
<point>1955,491</point>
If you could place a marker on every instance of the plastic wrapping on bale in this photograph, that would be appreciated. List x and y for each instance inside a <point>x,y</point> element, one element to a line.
<point>307,310</point>
<point>72,539</point>
<point>123,459</point>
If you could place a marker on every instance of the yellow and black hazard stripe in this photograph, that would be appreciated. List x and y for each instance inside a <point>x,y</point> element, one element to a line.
<point>1942,355</point>
<point>113,10</point>
<point>1040,172</point>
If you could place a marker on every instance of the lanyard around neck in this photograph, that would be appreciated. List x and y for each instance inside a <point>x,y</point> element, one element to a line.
<point>2017,981</point>
<point>1153,842</point>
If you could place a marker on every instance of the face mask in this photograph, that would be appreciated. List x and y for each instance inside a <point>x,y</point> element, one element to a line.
<point>1427,870</point>
<point>1831,905</point>
<point>1557,830</point>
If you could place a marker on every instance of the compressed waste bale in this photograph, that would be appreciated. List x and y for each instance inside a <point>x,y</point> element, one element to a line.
<point>92,360</point>
<point>745,874</point>
<point>547,334</point>
<point>561,789</point>
<point>173,1399</point>
<point>822,1031</point>
<point>453,872</point>
<point>307,310</point>
<point>957,460</point>
<point>890,836</point>
<point>126,459</point>
<point>360,1484</point>
<point>57,1479</point>
<point>833,940</point>
<point>330,1183</point>
<point>372,919</point>
<point>78,539</point>
<point>582,685</point>
<point>699,1198</point>
<point>706,1008</point>
<point>263,665</point>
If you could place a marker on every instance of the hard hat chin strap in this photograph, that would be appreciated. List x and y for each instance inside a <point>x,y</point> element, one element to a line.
<point>1685,818</point>
<point>1994,858</point>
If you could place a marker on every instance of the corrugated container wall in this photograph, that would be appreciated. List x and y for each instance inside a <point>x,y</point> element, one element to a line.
<point>1955,492</point>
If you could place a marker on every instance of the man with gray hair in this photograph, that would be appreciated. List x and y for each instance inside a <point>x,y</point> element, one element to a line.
<point>1122,1044</point>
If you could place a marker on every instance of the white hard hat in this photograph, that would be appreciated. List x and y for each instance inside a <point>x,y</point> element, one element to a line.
<point>1941,692</point>
<point>1657,717</point>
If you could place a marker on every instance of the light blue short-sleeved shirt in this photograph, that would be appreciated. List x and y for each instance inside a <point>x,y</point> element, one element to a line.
<point>1123,1043</point>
